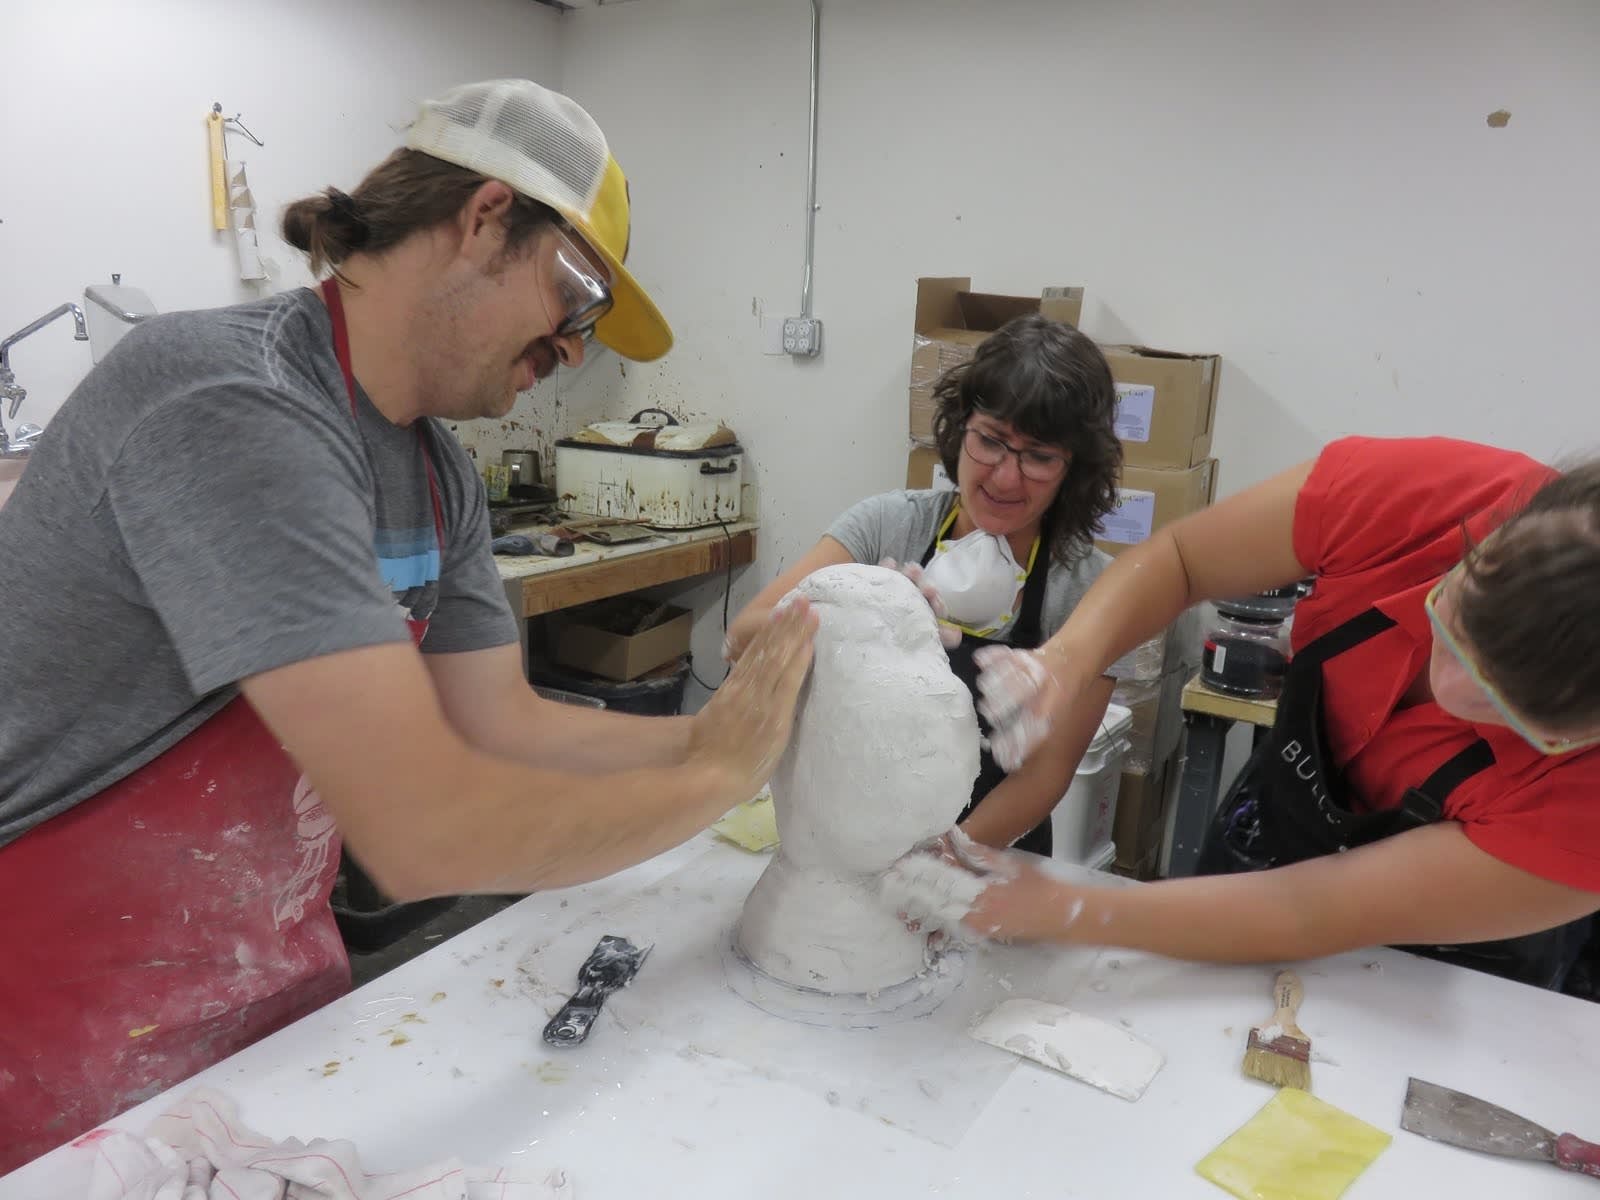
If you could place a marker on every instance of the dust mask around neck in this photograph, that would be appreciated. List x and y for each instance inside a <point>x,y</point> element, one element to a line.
<point>978,578</point>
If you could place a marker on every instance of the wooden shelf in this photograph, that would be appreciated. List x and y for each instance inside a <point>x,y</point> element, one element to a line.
<point>1197,698</point>
<point>537,585</point>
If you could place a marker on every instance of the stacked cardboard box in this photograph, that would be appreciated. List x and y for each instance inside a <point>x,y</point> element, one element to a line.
<point>951,322</point>
<point>1165,415</point>
<point>1166,408</point>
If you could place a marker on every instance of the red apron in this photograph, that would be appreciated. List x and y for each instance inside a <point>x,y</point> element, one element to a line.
<point>167,922</point>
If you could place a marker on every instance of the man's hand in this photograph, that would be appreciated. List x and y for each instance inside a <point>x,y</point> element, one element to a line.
<point>745,725</point>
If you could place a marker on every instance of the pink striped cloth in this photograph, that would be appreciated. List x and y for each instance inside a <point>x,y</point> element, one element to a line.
<point>200,1150</point>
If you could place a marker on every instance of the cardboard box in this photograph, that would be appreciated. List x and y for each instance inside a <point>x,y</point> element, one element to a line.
<point>1146,869</point>
<point>1166,405</point>
<point>1149,498</point>
<point>924,470</point>
<point>1141,819</point>
<point>952,320</point>
<point>1157,708</point>
<point>587,647</point>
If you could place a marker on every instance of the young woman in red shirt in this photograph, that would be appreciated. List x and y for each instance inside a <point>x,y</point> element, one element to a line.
<point>1433,777</point>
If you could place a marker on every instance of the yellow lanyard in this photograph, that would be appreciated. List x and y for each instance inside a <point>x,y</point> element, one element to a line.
<point>1022,579</point>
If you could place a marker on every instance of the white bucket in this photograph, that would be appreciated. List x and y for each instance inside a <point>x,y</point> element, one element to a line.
<point>1080,826</point>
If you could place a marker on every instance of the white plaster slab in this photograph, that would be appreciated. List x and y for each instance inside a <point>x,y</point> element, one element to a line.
<point>1098,1053</point>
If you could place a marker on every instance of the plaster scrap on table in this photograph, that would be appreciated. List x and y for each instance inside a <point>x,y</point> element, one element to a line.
<point>437,996</point>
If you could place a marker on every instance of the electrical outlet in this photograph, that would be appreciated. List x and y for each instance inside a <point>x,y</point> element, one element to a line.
<point>802,336</point>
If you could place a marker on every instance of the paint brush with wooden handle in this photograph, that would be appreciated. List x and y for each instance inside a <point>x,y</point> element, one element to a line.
<point>1279,1052</point>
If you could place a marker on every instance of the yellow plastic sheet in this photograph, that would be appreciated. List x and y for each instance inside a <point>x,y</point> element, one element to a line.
<point>752,826</point>
<point>1296,1148</point>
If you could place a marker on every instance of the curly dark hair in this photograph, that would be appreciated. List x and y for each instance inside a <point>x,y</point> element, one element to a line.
<point>1528,607</point>
<point>1050,382</point>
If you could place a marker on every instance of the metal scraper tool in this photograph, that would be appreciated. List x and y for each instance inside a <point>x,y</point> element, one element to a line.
<point>1461,1120</point>
<point>611,965</point>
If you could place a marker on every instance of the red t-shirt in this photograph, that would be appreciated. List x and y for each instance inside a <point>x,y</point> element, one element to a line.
<point>1378,522</point>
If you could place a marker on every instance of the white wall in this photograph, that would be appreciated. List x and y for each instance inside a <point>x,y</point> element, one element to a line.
<point>103,136</point>
<point>1311,190</point>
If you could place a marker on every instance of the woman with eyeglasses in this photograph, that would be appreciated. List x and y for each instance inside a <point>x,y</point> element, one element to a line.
<point>1025,429</point>
<point>1433,777</point>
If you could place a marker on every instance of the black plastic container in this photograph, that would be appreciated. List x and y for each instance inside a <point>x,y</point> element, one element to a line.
<point>658,693</point>
<point>367,919</point>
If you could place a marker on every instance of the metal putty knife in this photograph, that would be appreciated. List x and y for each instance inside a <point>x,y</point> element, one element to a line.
<point>611,966</point>
<point>1461,1120</point>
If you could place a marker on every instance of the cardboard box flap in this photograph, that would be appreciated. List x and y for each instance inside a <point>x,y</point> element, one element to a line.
<point>938,303</point>
<point>947,305</point>
<point>1153,352</point>
<point>986,311</point>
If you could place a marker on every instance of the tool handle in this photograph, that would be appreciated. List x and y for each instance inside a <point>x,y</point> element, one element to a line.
<point>1287,992</point>
<point>1575,1154</point>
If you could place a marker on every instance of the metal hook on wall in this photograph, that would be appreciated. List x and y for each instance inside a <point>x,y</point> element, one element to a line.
<point>234,120</point>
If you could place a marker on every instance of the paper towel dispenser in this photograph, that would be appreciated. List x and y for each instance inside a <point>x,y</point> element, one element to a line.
<point>113,309</point>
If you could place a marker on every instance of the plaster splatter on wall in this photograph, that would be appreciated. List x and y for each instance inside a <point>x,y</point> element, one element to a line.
<point>1499,119</point>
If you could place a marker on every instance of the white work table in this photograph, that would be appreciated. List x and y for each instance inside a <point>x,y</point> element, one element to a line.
<point>468,1076</point>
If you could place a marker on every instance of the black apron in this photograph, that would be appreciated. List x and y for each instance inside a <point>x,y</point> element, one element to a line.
<point>1025,635</point>
<point>1288,804</point>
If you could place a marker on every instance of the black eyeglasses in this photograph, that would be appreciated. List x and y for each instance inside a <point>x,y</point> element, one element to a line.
<point>1041,466</point>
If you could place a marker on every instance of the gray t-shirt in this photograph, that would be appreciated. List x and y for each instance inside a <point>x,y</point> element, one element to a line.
<point>901,525</point>
<point>205,507</point>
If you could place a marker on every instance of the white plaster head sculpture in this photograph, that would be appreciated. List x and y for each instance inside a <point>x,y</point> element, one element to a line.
<point>883,756</point>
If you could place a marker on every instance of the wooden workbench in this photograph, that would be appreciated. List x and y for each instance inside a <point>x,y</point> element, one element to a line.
<point>644,1110</point>
<point>536,585</point>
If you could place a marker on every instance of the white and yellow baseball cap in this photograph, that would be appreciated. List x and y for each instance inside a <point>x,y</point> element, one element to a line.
<point>548,148</point>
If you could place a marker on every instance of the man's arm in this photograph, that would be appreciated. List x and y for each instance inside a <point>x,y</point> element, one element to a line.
<point>489,704</point>
<point>427,813</point>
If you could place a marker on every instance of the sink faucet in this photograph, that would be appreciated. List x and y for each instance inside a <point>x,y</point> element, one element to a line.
<point>13,392</point>
<point>9,390</point>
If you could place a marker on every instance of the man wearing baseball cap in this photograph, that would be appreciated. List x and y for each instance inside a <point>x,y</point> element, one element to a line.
<point>257,613</point>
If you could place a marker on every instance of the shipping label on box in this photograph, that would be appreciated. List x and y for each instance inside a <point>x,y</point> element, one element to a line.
<point>1149,499</point>
<point>1132,521</point>
<point>1136,403</point>
<point>1171,401</point>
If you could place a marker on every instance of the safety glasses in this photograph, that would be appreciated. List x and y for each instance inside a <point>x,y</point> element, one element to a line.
<point>1041,466</point>
<point>585,295</point>
<point>1540,742</point>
